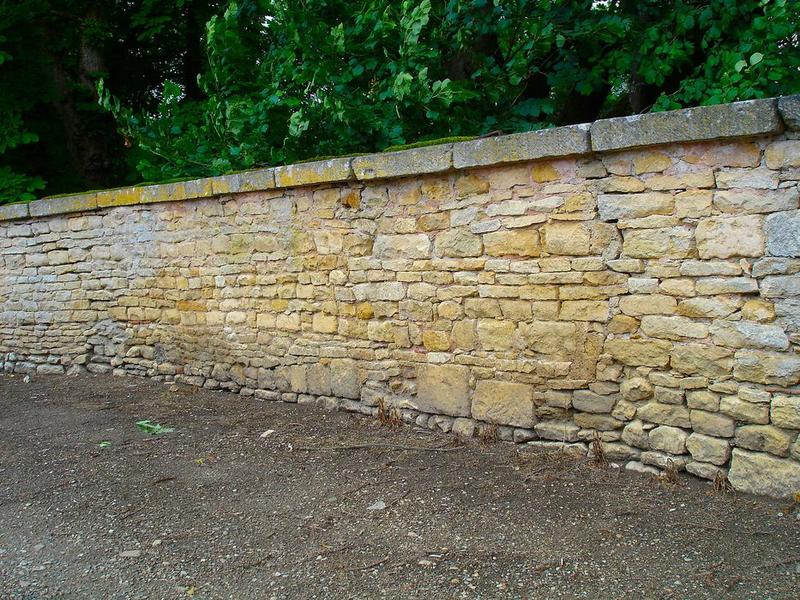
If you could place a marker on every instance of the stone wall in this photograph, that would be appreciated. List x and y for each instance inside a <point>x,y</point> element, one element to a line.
<point>636,280</point>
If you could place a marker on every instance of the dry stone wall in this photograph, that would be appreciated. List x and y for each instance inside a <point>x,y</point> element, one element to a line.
<point>635,281</point>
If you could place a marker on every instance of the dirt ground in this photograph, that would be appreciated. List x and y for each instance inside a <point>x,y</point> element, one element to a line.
<point>92,507</point>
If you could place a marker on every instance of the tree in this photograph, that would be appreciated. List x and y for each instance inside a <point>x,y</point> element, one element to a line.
<point>291,79</point>
<point>53,52</point>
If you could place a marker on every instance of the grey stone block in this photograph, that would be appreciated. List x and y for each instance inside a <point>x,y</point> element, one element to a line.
<point>740,119</point>
<point>531,145</point>
<point>789,108</point>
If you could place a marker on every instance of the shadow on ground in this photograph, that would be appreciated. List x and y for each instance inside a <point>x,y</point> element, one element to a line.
<point>332,505</point>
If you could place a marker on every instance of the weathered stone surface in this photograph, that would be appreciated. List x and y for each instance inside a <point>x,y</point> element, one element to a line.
<point>13,211</point>
<point>518,242</point>
<point>668,439</point>
<point>739,119</point>
<point>765,438</point>
<point>322,171</point>
<point>428,159</point>
<point>706,448</point>
<point>635,389</point>
<point>587,401</point>
<point>712,423</point>
<point>63,204</point>
<point>496,335</point>
<point>670,242</point>
<point>631,206</point>
<point>782,231</point>
<point>724,237</point>
<point>665,414</point>
<point>785,412</point>
<point>636,435</point>
<point>698,359</point>
<point>443,389</point>
<point>743,334</point>
<point>767,367</point>
<point>566,239</point>
<point>544,143</point>
<point>651,353</point>
<point>458,243</point>
<point>413,245</point>
<point>744,411</point>
<point>584,310</point>
<point>504,403</point>
<point>789,109</point>
<point>759,473</point>
<point>783,154</point>
<point>550,337</point>
<point>562,431</point>
<point>756,201</point>
<point>673,328</point>
<point>649,304</point>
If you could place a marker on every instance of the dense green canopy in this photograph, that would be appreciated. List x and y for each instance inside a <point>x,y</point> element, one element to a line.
<point>190,87</point>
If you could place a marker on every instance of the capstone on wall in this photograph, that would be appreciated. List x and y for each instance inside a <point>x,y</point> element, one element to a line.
<point>647,296</point>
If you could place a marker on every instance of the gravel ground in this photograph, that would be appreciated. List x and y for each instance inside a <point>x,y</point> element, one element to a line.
<point>333,505</point>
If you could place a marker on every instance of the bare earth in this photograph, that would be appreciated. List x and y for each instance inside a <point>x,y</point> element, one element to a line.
<point>215,510</point>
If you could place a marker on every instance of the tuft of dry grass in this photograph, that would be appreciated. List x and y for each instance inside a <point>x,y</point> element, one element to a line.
<point>488,435</point>
<point>669,475</point>
<point>388,417</point>
<point>721,483</point>
<point>599,458</point>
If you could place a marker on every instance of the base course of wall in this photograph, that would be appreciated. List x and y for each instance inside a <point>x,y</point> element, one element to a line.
<point>633,282</point>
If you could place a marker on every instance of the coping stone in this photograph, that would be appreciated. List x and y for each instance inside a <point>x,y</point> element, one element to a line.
<point>428,159</point>
<point>740,119</point>
<point>14,211</point>
<point>789,108</point>
<point>530,145</point>
<point>321,171</point>
<point>63,204</point>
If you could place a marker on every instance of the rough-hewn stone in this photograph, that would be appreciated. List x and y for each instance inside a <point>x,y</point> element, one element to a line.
<point>646,296</point>
<point>504,403</point>
<point>759,473</point>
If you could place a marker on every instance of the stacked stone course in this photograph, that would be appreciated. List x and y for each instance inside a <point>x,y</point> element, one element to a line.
<point>632,280</point>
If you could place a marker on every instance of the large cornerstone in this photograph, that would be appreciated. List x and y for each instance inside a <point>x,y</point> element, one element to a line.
<point>633,283</point>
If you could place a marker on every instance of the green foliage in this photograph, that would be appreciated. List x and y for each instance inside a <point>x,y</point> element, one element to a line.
<point>205,87</point>
<point>147,426</point>
<point>289,79</point>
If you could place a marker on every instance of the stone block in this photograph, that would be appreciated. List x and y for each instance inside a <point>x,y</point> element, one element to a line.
<point>785,411</point>
<point>724,237</point>
<point>740,119</point>
<point>504,403</point>
<point>712,423</point>
<point>706,448</point>
<point>443,389</point>
<point>532,145</point>
<point>760,366</point>
<point>412,245</point>
<point>782,232</point>
<point>789,109</point>
<point>668,439</point>
<point>9,212</point>
<point>458,243</point>
<point>673,328</point>
<point>633,352</point>
<point>613,207</point>
<point>744,411</point>
<point>566,239</point>
<point>664,414</point>
<point>759,473</point>
<point>518,242</point>
<point>765,438</point>
<point>415,161</point>
<point>321,171</point>
<point>744,334</point>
